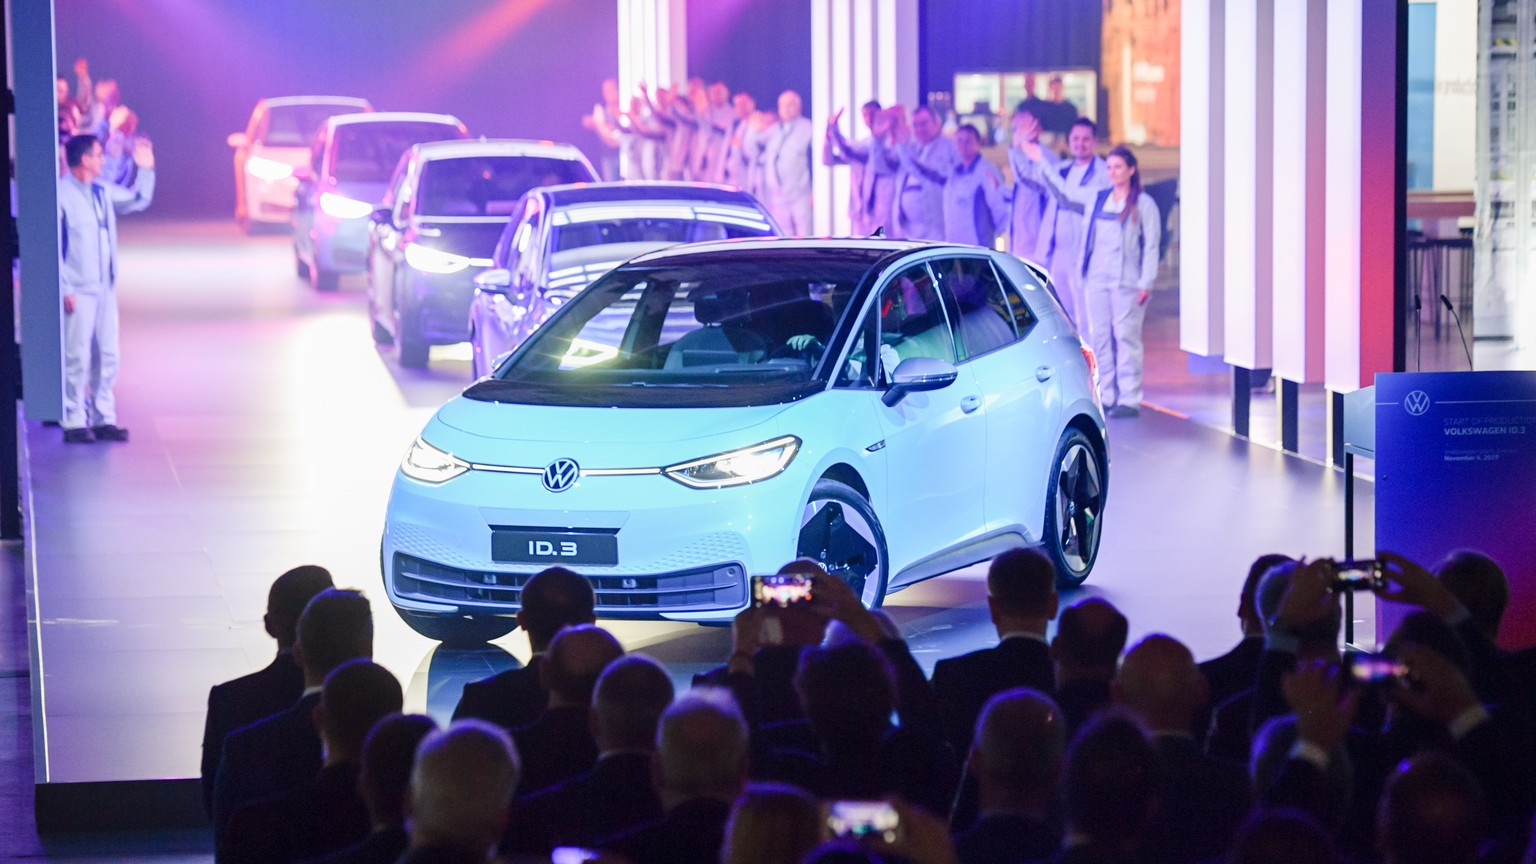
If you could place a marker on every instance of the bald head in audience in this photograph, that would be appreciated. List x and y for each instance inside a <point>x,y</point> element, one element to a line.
<point>701,749</point>
<point>576,657</point>
<point>1016,754</point>
<point>461,787</point>
<point>632,694</point>
<point>1161,685</point>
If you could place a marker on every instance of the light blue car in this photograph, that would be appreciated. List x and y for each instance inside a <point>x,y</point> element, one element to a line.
<point>893,410</point>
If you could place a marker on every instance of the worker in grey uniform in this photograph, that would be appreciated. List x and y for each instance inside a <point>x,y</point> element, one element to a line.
<point>923,158</point>
<point>975,209</point>
<point>873,183</point>
<point>1117,260</point>
<point>1029,197</point>
<point>1080,179</point>
<point>787,167</point>
<point>88,210</point>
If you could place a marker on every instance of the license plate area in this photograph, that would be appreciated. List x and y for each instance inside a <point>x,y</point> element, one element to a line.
<point>546,546</point>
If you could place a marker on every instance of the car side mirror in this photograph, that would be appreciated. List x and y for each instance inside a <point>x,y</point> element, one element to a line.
<point>237,140</point>
<point>302,173</point>
<point>382,216</point>
<point>917,375</point>
<point>495,281</point>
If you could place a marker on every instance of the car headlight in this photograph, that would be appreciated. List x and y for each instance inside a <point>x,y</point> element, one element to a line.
<point>428,464</point>
<point>738,467</point>
<point>266,169</point>
<point>342,207</point>
<point>430,260</point>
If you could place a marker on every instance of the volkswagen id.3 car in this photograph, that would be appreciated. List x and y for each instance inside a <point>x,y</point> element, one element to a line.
<point>894,410</point>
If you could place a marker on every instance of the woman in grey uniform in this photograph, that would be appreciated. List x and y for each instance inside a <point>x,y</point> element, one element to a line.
<point>1118,262</point>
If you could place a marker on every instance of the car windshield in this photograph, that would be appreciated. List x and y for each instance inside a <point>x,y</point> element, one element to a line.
<point>368,152</point>
<point>715,329</point>
<point>489,185</point>
<point>593,226</point>
<point>296,125</point>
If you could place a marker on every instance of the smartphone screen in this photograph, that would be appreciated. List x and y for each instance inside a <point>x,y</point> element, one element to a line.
<point>1357,576</point>
<point>781,589</point>
<point>863,820</point>
<point>1373,669</point>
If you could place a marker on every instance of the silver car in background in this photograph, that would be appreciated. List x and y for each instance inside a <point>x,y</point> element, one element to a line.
<point>441,218</point>
<point>351,162</point>
<point>562,238</point>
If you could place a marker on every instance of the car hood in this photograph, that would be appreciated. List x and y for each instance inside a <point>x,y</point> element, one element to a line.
<point>470,239</point>
<point>479,424</point>
<point>294,156</point>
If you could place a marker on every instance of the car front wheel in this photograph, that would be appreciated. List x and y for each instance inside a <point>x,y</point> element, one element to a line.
<point>839,531</point>
<point>1074,508</point>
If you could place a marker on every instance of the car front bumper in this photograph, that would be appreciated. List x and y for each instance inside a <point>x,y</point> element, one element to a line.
<point>683,554</point>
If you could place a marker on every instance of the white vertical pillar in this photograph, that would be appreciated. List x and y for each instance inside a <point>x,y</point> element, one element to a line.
<point>1249,166</point>
<point>1455,94</point>
<point>1342,370</point>
<point>860,50</point>
<point>37,161</point>
<point>1300,100</point>
<point>653,43</point>
<point>1201,159</point>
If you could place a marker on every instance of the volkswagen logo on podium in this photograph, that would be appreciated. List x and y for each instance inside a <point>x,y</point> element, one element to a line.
<point>1416,403</point>
<point>561,475</point>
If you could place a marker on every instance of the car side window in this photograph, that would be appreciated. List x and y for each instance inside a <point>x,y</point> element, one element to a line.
<point>399,198</point>
<point>505,255</point>
<point>912,321</point>
<point>317,154</point>
<point>984,317</point>
<point>1022,287</point>
<point>524,243</point>
<point>857,371</point>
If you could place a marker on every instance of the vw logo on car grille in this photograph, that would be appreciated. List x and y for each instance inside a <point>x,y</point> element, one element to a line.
<point>561,475</point>
<point>1417,403</point>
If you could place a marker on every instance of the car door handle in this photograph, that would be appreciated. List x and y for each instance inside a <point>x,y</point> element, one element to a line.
<point>1043,373</point>
<point>970,403</point>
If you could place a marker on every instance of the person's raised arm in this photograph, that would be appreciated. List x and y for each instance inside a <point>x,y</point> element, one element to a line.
<point>135,197</point>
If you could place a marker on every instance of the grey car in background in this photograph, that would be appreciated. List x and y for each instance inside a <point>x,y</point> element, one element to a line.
<point>446,207</point>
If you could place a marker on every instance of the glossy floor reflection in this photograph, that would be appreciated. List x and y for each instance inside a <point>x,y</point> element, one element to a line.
<point>266,428</point>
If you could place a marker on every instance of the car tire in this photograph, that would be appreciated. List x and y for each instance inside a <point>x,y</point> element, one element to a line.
<point>300,267</point>
<point>1074,508</point>
<point>840,531</point>
<point>381,334</point>
<point>459,631</point>
<point>325,280</point>
<point>414,351</point>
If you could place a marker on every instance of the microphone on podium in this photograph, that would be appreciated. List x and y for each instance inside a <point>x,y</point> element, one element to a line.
<point>1446,302</point>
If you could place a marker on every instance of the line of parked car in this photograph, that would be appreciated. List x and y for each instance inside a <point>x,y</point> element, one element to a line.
<point>460,239</point>
<point>668,395</point>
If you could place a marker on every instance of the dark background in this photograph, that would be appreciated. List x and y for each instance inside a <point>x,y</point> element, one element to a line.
<point>760,46</point>
<point>1007,36</point>
<point>193,69</point>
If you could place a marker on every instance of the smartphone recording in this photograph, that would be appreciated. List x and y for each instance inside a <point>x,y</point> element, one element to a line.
<point>1358,576</point>
<point>863,821</point>
<point>781,590</point>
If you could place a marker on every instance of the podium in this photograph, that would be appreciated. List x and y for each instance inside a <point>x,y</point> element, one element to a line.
<point>1456,469</point>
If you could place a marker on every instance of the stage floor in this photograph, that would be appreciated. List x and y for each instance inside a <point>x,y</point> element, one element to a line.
<point>266,430</point>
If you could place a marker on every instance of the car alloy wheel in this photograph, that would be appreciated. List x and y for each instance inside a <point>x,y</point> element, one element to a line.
<point>1074,508</point>
<point>839,531</point>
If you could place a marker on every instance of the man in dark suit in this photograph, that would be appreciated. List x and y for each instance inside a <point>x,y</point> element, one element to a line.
<point>1112,783</point>
<point>616,794</point>
<point>1022,599</point>
<point>280,752</point>
<point>1204,799</point>
<point>263,693</point>
<point>559,745</point>
<point>552,599</point>
<point>701,766</point>
<point>325,813</point>
<point>1089,638</point>
<point>1233,672</point>
<point>461,787</point>
<point>384,782</point>
<point>1016,759</point>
